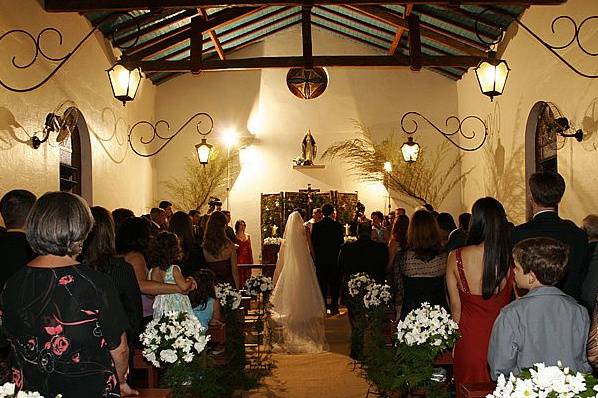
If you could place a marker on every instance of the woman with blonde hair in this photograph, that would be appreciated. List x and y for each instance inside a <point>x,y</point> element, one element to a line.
<point>220,253</point>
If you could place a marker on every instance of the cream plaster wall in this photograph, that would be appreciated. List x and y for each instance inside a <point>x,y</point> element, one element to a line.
<point>120,178</point>
<point>259,102</point>
<point>536,75</point>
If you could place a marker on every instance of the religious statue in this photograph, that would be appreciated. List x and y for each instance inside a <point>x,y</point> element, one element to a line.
<point>309,149</point>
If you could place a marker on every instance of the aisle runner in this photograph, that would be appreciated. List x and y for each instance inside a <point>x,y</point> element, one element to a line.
<point>326,375</point>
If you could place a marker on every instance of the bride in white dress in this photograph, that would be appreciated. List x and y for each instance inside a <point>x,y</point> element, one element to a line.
<point>298,306</point>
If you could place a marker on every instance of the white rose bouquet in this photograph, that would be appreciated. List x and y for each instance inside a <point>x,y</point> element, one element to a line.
<point>259,284</point>
<point>376,295</point>
<point>8,391</point>
<point>546,381</point>
<point>430,326</point>
<point>229,298</point>
<point>177,337</point>
<point>273,241</point>
<point>358,284</point>
<point>350,239</point>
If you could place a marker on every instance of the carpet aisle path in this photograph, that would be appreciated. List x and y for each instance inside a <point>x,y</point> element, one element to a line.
<point>327,374</point>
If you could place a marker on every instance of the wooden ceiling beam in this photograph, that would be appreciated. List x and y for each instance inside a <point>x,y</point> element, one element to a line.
<point>153,28</point>
<point>395,43</point>
<point>354,61</point>
<point>386,16</point>
<point>356,21</point>
<point>127,5</point>
<point>415,44</point>
<point>343,25</point>
<point>213,36</point>
<point>306,35</point>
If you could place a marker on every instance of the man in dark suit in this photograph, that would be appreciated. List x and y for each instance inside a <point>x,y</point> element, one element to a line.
<point>327,238</point>
<point>16,252</point>
<point>452,236</point>
<point>363,255</point>
<point>547,189</point>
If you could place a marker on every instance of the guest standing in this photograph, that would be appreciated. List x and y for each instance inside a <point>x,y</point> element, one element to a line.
<point>64,320</point>
<point>157,219</point>
<point>16,252</point>
<point>464,219</point>
<point>214,204</point>
<point>244,252</point>
<point>99,252</point>
<point>327,238</point>
<point>480,283</point>
<point>206,306</point>
<point>219,251</point>
<point>121,214</point>
<point>452,237</point>
<point>589,289</point>
<point>192,257</point>
<point>230,232</point>
<point>547,190</point>
<point>421,268</point>
<point>379,231</point>
<point>167,207</point>
<point>398,242</point>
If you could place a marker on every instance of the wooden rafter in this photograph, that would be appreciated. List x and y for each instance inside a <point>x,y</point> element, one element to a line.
<point>213,36</point>
<point>306,35</point>
<point>429,13</point>
<point>384,15</point>
<point>125,5</point>
<point>415,44</point>
<point>395,43</point>
<point>154,27</point>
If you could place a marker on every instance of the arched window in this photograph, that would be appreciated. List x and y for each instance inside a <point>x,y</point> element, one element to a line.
<point>75,155</point>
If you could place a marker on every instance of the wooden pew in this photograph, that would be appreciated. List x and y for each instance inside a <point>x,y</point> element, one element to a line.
<point>217,333</point>
<point>154,393</point>
<point>477,390</point>
<point>139,362</point>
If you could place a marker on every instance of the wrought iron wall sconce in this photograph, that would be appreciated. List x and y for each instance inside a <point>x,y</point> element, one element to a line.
<point>63,125</point>
<point>203,148</point>
<point>500,69</point>
<point>52,124</point>
<point>450,135</point>
<point>39,52</point>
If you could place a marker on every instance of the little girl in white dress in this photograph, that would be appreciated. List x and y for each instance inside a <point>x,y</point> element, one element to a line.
<point>164,252</point>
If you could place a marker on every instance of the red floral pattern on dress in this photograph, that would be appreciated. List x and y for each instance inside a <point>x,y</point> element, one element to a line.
<point>17,378</point>
<point>76,358</point>
<point>53,330</point>
<point>60,344</point>
<point>65,280</point>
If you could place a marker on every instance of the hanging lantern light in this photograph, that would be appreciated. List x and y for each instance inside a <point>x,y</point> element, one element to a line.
<point>410,150</point>
<point>492,75</point>
<point>124,82</point>
<point>203,151</point>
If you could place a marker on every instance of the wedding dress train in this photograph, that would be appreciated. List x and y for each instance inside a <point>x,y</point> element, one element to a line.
<point>297,303</point>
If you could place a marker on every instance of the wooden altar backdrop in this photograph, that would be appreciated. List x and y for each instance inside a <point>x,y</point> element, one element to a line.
<point>276,208</point>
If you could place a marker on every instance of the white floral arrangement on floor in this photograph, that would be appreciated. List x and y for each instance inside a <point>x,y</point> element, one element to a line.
<point>229,298</point>
<point>377,295</point>
<point>175,337</point>
<point>273,241</point>
<point>428,325</point>
<point>543,381</point>
<point>350,239</point>
<point>8,391</point>
<point>259,284</point>
<point>358,284</point>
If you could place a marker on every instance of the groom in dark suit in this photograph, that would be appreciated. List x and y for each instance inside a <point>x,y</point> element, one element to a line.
<point>327,238</point>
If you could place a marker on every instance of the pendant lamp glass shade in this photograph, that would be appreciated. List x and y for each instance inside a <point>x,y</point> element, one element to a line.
<point>124,82</point>
<point>203,151</point>
<point>492,75</point>
<point>410,150</point>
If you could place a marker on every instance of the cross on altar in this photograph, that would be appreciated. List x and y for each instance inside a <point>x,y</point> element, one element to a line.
<point>309,191</point>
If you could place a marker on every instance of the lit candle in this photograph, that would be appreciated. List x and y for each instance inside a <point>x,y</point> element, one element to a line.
<point>346,229</point>
<point>274,230</point>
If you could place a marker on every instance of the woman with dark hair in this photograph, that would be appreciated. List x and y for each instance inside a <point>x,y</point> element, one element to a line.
<point>132,241</point>
<point>480,283</point>
<point>398,240</point>
<point>420,269</point>
<point>206,306</point>
<point>244,252</point>
<point>192,257</point>
<point>220,253</point>
<point>64,320</point>
<point>99,252</point>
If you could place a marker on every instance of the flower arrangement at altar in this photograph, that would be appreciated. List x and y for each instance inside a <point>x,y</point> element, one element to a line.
<point>546,381</point>
<point>273,241</point>
<point>350,239</point>
<point>175,338</point>
<point>299,161</point>
<point>358,284</point>
<point>8,391</point>
<point>259,284</point>
<point>229,298</point>
<point>376,295</point>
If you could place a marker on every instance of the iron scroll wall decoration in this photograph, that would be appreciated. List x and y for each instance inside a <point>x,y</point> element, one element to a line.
<point>473,137</point>
<point>40,52</point>
<point>202,129</point>
<point>554,49</point>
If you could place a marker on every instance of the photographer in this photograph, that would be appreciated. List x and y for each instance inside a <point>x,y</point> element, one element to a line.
<point>358,218</point>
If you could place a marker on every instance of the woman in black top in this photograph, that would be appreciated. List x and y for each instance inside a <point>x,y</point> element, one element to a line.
<point>99,253</point>
<point>182,226</point>
<point>64,320</point>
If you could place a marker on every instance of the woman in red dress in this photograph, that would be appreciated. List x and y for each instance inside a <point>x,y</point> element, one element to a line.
<point>480,282</point>
<point>244,253</point>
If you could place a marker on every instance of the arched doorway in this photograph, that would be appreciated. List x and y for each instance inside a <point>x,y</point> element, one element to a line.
<point>540,146</point>
<point>75,155</point>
